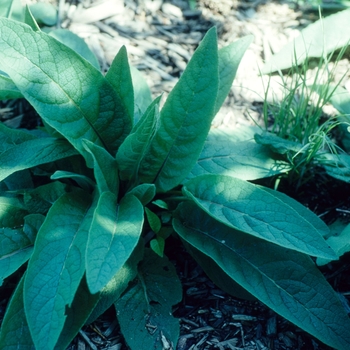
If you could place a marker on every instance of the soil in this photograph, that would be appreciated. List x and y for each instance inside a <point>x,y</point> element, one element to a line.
<point>160,37</point>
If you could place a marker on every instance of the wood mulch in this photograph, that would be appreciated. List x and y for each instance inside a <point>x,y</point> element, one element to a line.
<point>160,37</point>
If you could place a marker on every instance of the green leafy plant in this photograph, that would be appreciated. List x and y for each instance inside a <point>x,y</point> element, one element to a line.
<point>89,201</point>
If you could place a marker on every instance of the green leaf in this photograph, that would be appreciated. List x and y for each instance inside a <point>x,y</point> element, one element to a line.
<point>11,212</point>
<point>56,267</point>
<point>68,92</point>
<point>76,43</point>
<point>32,153</point>
<point>144,193</point>
<point>118,284</point>
<point>142,93</point>
<point>278,144</point>
<point>249,208</point>
<point>114,233</point>
<point>157,245</point>
<point>229,59</point>
<point>337,166</point>
<point>119,76</point>
<point>44,13</point>
<point>185,120</point>
<point>134,147</point>
<point>105,168</point>
<point>82,180</point>
<point>340,244</point>
<point>77,314</point>
<point>144,311</point>
<point>310,216</point>
<point>40,199</point>
<point>217,275</point>
<point>153,220</point>
<point>12,137</point>
<point>15,249</point>
<point>286,281</point>
<point>12,9</point>
<point>245,160</point>
<point>18,181</point>
<point>30,20</point>
<point>8,90</point>
<point>316,40</point>
<point>14,331</point>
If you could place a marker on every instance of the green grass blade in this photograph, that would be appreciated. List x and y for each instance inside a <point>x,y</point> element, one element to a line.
<point>32,153</point>
<point>56,267</point>
<point>68,92</point>
<point>286,281</point>
<point>248,208</point>
<point>114,234</point>
<point>185,120</point>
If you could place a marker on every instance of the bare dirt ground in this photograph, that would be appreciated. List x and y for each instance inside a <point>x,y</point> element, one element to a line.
<point>160,37</point>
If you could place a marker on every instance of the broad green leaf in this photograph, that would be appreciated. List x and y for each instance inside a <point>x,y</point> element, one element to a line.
<point>144,193</point>
<point>337,166</point>
<point>248,208</point>
<point>286,281</point>
<point>40,199</point>
<point>144,311</point>
<point>119,76</point>
<point>30,20</point>
<point>114,234</point>
<point>11,212</point>
<point>77,314</point>
<point>56,267</point>
<point>217,275</point>
<point>15,249</point>
<point>142,93</point>
<point>105,168</point>
<point>185,120</point>
<point>12,9</point>
<point>8,90</point>
<point>153,220</point>
<point>118,284</point>
<point>278,144</point>
<point>135,146</point>
<point>316,40</point>
<point>44,13</point>
<point>310,216</point>
<point>19,180</point>
<point>82,180</point>
<point>32,153</point>
<point>12,137</point>
<point>70,94</point>
<point>245,160</point>
<point>229,59</point>
<point>340,244</point>
<point>14,331</point>
<point>76,43</point>
<point>32,224</point>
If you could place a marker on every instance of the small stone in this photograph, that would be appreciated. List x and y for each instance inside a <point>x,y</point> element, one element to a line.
<point>172,10</point>
<point>192,14</point>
